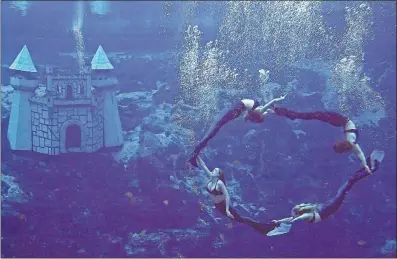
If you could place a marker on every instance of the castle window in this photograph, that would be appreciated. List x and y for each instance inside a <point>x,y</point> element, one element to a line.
<point>69,92</point>
<point>82,90</point>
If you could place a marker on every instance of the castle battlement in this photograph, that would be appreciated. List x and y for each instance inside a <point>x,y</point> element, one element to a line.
<point>69,77</point>
<point>23,83</point>
<point>69,117</point>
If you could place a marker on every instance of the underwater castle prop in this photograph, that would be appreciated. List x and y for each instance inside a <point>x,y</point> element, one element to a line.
<point>77,112</point>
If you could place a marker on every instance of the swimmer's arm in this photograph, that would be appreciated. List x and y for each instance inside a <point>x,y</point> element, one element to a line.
<point>266,106</point>
<point>305,216</point>
<point>203,165</point>
<point>351,138</point>
<point>284,220</point>
<point>227,196</point>
<point>360,154</point>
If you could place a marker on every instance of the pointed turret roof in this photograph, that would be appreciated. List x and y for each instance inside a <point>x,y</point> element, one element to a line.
<point>100,60</point>
<point>23,62</point>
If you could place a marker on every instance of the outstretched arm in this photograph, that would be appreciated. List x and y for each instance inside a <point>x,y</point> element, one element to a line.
<point>360,154</point>
<point>203,165</point>
<point>284,220</point>
<point>305,216</point>
<point>266,106</point>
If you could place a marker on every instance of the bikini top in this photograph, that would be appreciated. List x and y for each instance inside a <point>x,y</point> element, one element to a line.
<point>355,131</point>
<point>214,191</point>
<point>256,105</point>
<point>315,218</point>
<point>255,116</point>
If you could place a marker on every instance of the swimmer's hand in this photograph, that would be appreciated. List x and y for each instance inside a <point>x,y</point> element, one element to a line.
<point>229,214</point>
<point>278,222</point>
<point>270,111</point>
<point>368,169</point>
<point>286,220</point>
<point>280,98</point>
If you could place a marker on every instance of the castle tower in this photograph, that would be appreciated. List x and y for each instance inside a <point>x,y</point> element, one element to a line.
<point>25,83</point>
<point>105,82</point>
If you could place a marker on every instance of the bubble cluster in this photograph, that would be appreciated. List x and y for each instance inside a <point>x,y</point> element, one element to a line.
<point>239,32</point>
<point>189,63</point>
<point>353,89</point>
<point>77,29</point>
<point>208,79</point>
<point>274,35</point>
<point>187,14</point>
<point>250,33</point>
<point>203,72</point>
<point>267,89</point>
<point>358,20</point>
<point>292,30</point>
<point>349,82</point>
<point>278,31</point>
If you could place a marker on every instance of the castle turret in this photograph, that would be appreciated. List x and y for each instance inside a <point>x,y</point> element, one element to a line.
<point>24,81</point>
<point>105,83</point>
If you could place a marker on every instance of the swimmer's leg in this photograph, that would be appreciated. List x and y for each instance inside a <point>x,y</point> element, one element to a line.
<point>263,228</point>
<point>333,118</point>
<point>333,205</point>
<point>229,115</point>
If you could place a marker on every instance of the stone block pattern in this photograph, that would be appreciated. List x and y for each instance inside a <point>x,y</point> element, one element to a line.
<point>78,84</point>
<point>42,135</point>
<point>97,126</point>
<point>47,122</point>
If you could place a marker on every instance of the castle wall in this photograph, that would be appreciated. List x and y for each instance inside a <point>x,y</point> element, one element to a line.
<point>79,84</point>
<point>97,127</point>
<point>19,127</point>
<point>49,126</point>
<point>44,139</point>
<point>112,123</point>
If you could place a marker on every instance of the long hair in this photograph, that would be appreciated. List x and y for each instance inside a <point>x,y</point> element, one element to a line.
<point>302,208</point>
<point>222,177</point>
<point>342,147</point>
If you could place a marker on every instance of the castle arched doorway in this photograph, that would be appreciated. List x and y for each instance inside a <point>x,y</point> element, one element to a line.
<point>73,137</point>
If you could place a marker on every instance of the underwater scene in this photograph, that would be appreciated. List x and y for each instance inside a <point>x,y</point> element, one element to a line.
<point>198,129</point>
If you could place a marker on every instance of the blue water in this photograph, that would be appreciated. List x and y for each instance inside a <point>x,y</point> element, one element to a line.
<point>77,206</point>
